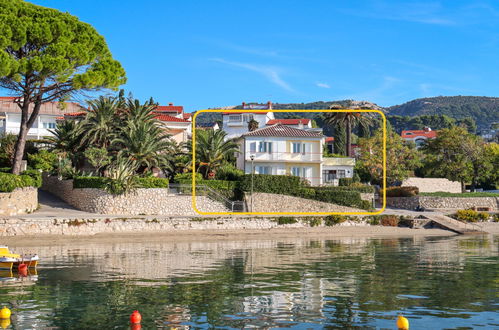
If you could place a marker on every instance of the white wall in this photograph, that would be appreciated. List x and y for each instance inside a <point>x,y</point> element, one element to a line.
<point>40,127</point>
<point>236,129</point>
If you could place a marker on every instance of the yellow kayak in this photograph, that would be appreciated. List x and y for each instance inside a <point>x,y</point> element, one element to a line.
<point>10,260</point>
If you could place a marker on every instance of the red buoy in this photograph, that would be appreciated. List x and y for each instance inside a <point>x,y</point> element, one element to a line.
<point>135,326</point>
<point>135,317</point>
<point>23,270</point>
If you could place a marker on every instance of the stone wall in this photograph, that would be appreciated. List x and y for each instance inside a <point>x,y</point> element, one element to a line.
<point>433,185</point>
<point>433,202</point>
<point>20,201</point>
<point>152,201</point>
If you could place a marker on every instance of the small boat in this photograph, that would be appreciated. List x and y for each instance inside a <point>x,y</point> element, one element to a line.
<point>10,260</point>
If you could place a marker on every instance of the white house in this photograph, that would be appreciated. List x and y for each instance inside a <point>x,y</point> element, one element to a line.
<point>303,123</point>
<point>418,136</point>
<point>10,117</point>
<point>282,150</point>
<point>235,123</point>
<point>335,168</point>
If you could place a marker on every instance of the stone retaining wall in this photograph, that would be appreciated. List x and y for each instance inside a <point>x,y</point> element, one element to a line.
<point>144,225</point>
<point>20,201</point>
<point>433,184</point>
<point>151,201</point>
<point>433,202</point>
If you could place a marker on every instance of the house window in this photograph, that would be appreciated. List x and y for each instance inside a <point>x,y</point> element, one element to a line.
<point>296,171</point>
<point>253,147</point>
<point>234,118</point>
<point>265,147</point>
<point>340,174</point>
<point>298,148</point>
<point>48,125</point>
<point>264,170</point>
<point>248,117</point>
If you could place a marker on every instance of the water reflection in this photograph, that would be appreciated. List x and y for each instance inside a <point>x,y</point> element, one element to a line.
<point>296,283</point>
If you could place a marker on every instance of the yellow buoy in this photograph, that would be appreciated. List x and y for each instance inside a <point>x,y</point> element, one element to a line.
<point>5,313</point>
<point>402,323</point>
<point>4,323</point>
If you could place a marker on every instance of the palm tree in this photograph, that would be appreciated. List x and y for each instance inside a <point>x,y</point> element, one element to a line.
<point>145,143</point>
<point>252,125</point>
<point>349,120</point>
<point>212,150</point>
<point>102,121</point>
<point>66,139</point>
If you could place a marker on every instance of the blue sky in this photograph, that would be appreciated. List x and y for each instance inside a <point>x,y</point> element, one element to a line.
<point>203,54</point>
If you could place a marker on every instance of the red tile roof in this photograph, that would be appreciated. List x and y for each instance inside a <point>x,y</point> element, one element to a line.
<point>414,133</point>
<point>329,139</point>
<point>76,114</point>
<point>304,121</point>
<point>170,108</point>
<point>284,131</point>
<point>163,117</point>
<point>187,115</point>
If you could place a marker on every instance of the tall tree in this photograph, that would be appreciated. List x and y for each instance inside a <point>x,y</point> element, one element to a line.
<point>349,120</point>
<point>212,150</point>
<point>339,143</point>
<point>47,55</point>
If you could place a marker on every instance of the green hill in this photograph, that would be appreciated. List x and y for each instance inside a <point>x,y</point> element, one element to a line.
<point>485,110</point>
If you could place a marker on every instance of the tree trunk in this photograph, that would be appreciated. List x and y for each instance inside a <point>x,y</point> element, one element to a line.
<point>463,187</point>
<point>27,122</point>
<point>348,147</point>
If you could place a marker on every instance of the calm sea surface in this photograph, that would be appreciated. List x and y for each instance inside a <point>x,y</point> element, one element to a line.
<point>437,282</point>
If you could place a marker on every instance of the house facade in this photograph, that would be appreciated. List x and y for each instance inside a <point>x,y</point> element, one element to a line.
<point>282,150</point>
<point>335,168</point>
<point>419,137</point>
<point>235,123</point>
<point>175,121</point>
<point>10,117</point>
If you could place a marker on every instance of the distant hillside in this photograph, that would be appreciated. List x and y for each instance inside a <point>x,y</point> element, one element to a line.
<point>485,110</point>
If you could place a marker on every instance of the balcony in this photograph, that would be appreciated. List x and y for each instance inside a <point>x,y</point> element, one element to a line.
<point>284,157</point>
<point>337,161</point>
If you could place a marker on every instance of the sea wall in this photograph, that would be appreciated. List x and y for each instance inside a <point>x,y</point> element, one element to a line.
<point>20,201</point>
<point>142,225</point>
<point>433,202</point>
<point>151,201</point>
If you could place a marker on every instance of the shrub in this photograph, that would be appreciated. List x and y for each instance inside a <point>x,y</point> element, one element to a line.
<point>228,172</point>
<point>374,220</point>
<point>389,220</point>
<point>186,178</point>
<point>273,184</point>
<point>306,193</point>
<point>361,188</point>
<point>402,191</point>
<point>153,182</point>
<point>36,175</point>
<point>43,160</point>
<point>345,181</point>
<point>314,221</point>
<point>286,220</point>
<point>495,217</point>
<point>5,169</point>
<point>9,182</point>
<point>89,182</point>
<point>471,216</point>
<point>334,219</point>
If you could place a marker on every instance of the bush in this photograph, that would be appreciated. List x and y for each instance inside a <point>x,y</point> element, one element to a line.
<point>36,175</point>
<point>374,220</point>
<point>334,219</point>
<point>345,181</point>
<point>186,178</point>
<point>153,182</point>
<point>5,169</point>
<point>9,182</point>
<point>306,193</point>
<point>314,221</point>
<point>361,188</point>
<point>228,172</point>
<point>389,220</point>
<point>43,160</point>
<point>402,191</point>
<point>286,220</point>
<point>471,216</point>
<point>89,182</point>
<point>273,184</point>
<point>495,217</point>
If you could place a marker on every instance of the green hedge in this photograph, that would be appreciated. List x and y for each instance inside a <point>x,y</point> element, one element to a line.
<point>36,175</point>
<point>360,189</point>
<point>9,182</point>
<point>100,182</point>
<point>402,191</point>
<point>342,197</point>
<point>5,169</point>
<point>273,184</point>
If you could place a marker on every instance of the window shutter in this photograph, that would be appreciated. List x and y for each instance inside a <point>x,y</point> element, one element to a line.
<point>253,147</point>
<point>270,147</point>
<point>303,149</point>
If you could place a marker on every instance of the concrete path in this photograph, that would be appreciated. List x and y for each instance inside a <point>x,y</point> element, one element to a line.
<point>54,207</point>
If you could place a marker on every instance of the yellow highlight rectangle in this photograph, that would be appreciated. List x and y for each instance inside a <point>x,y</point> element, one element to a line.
<point>285,213</point>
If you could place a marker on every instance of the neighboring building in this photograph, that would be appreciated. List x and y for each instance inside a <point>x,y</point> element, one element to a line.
<point>334,169</point>
<point>296,123</point>
<point>175,121</point>
<point>329,140</point>
<point>235,123</point>
<point>206,126</point>
<point>490,135</point>
<point>282,150</point>
<point>419,136</point>
<point>10,117</point>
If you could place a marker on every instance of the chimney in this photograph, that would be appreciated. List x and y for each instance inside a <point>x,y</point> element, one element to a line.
<point>300,124</point>
<point>170,104</point>
<point>269,105</point>
<point>427,129</point>
<point>244,105</point>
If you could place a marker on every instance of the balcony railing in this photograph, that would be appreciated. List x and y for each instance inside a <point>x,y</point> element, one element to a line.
<point>284,156</point>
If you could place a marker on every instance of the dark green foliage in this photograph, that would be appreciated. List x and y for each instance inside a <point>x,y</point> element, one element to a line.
<point>43,160</point>
<point>101,182</point>
<point>286,220</point>
<point>5,169</point>
<point>484,110</point>
<point>346,198</point>
<point>360,189</point>
<point>273,184</point>
<point>402,191</point>
<point>9,182</point>
<point>334,219</point>
<point>340,139</point>
<point>153,182</point>
<point>36,175</point>
<point>346,181</point>
<point>228,172</point>
<point>314,221</point>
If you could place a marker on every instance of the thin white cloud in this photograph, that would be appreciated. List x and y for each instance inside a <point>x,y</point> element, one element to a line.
<point>271,73</point>
<point>322,85</point>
